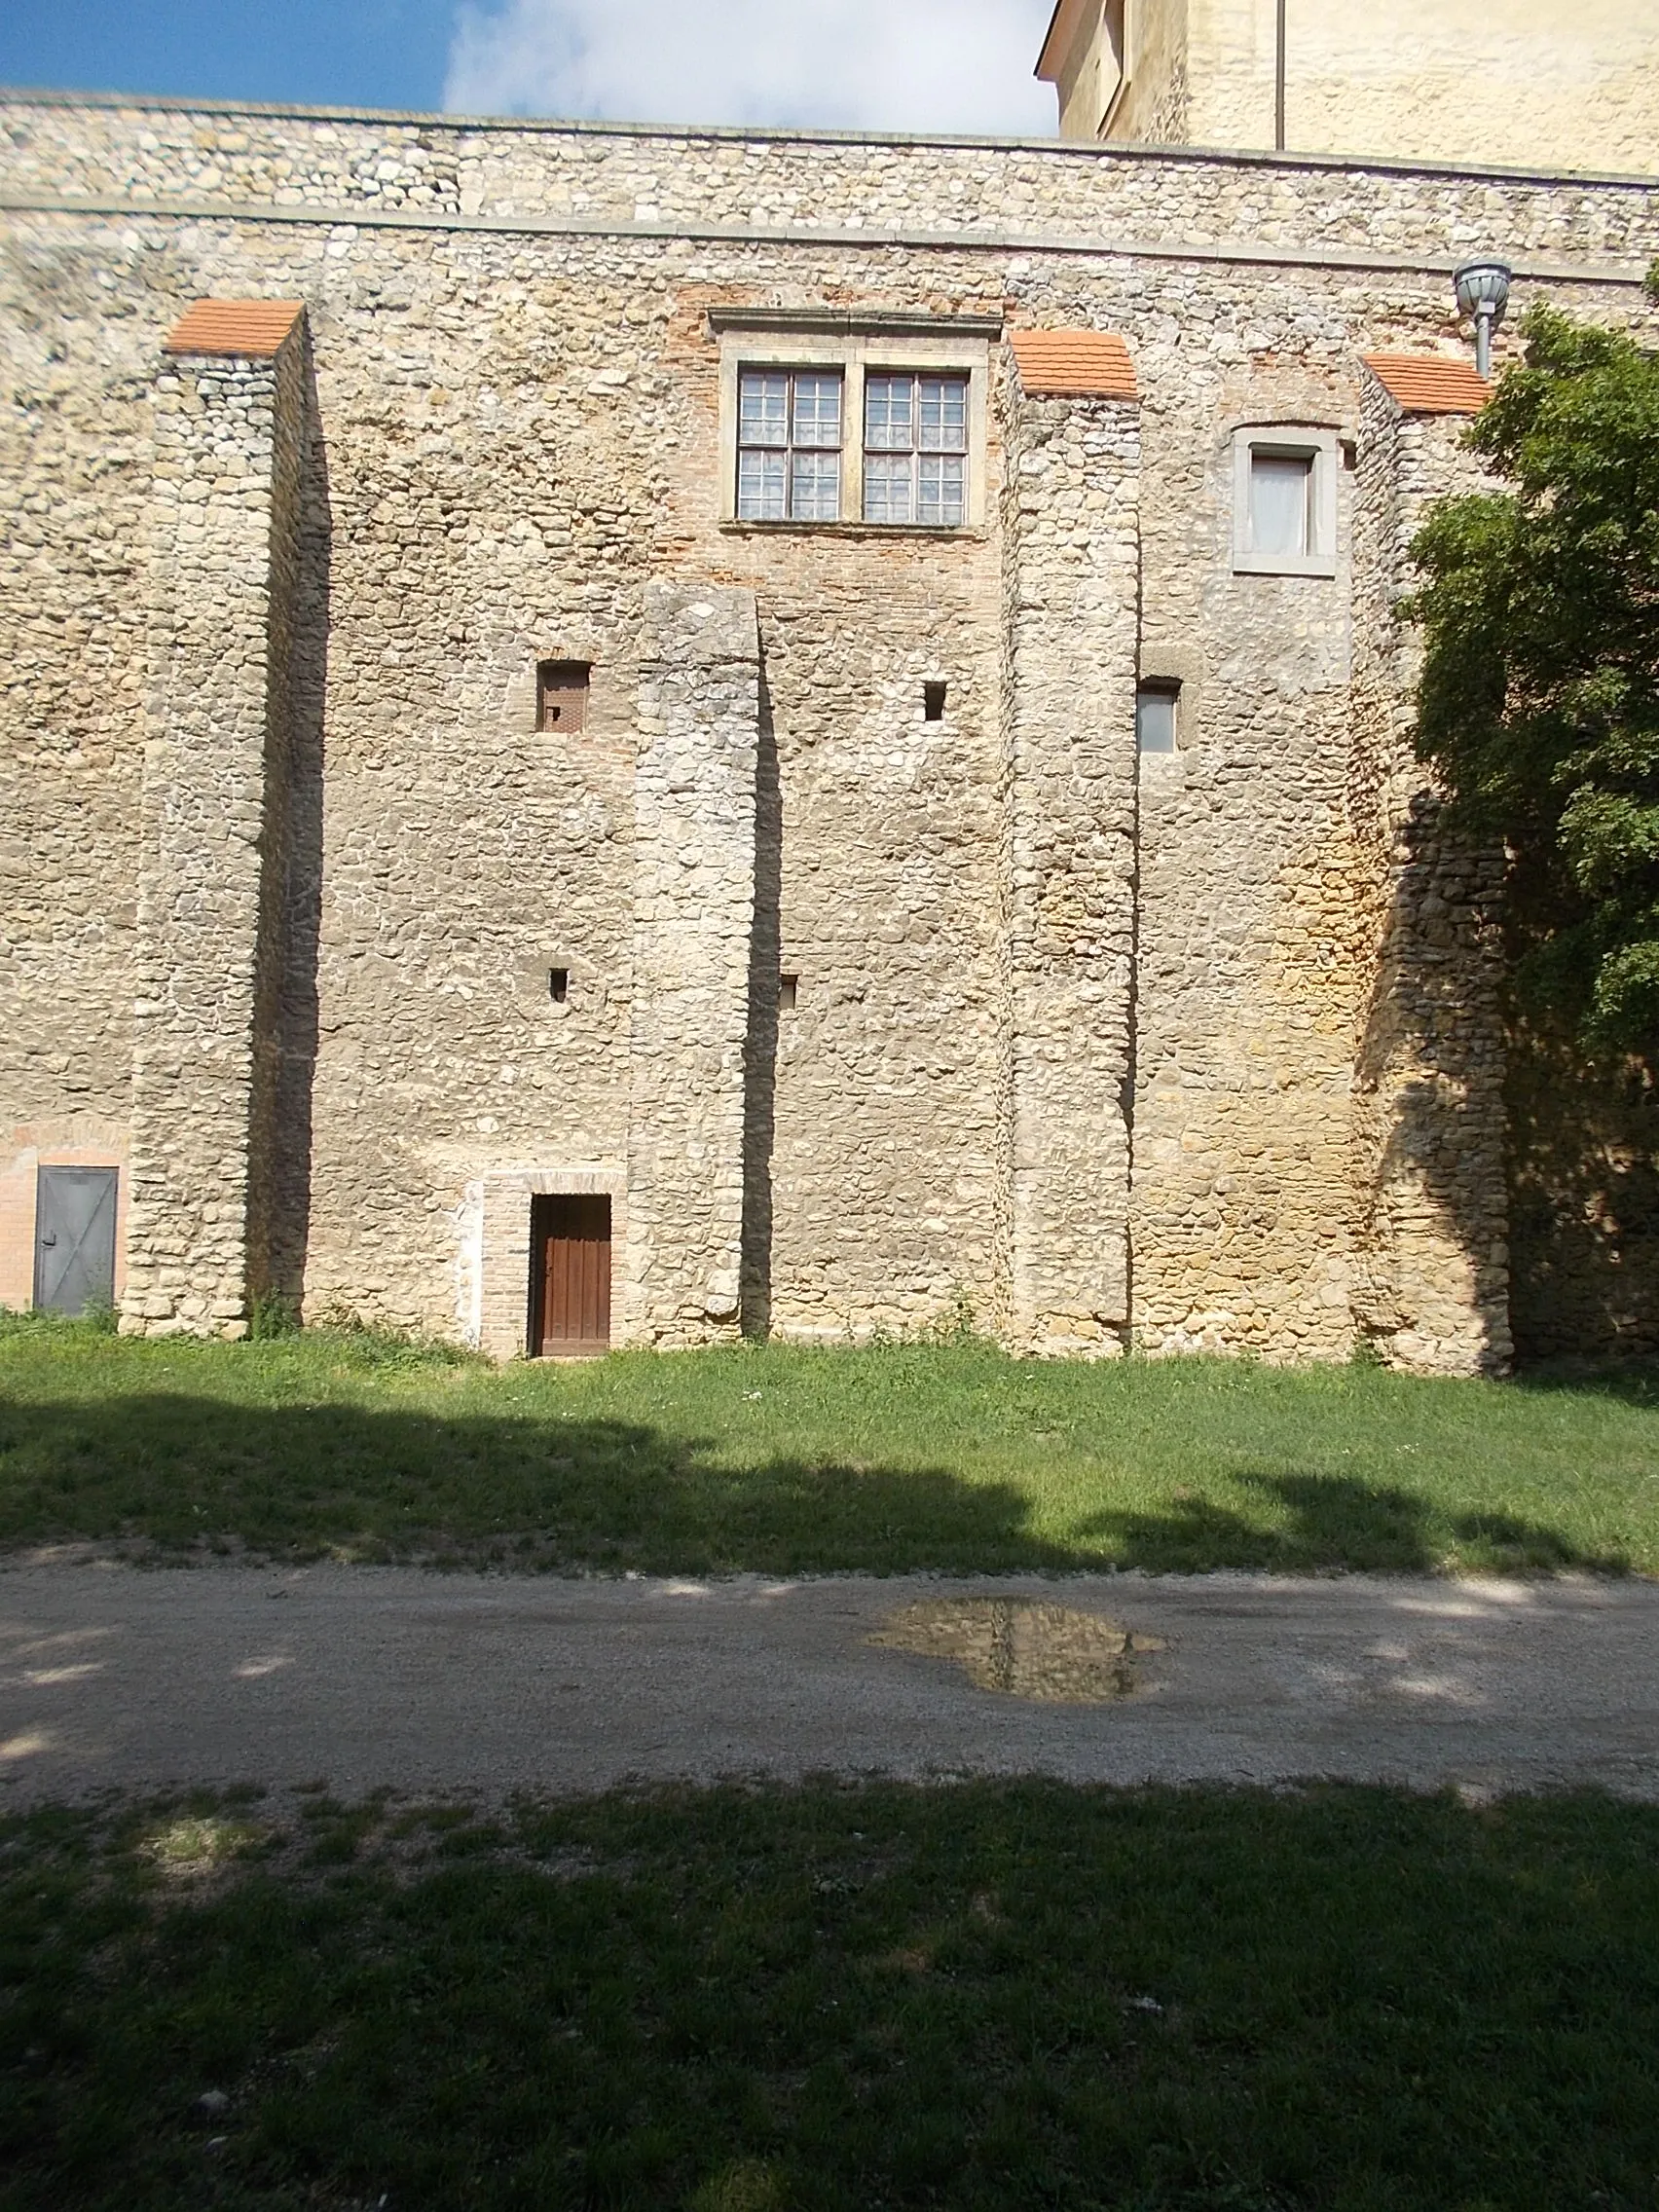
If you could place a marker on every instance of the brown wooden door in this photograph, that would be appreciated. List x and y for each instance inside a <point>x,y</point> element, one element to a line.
<point>569,1289</point>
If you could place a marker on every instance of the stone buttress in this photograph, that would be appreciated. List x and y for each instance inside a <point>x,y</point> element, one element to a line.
<point>695,795</point>
<point>227,425</point>
<point>1431,1205</point>
<point>1072,536</point>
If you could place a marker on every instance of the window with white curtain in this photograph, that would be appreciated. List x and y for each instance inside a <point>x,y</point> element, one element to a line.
<point>1282,502</point>
<point>915,459</point>
<point>789,445</point>
<point>1284,498</point>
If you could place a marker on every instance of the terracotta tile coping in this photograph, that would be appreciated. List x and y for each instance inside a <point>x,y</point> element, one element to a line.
<point>1429,383</point>
<point>255,328</point>
<point>1092,363</point>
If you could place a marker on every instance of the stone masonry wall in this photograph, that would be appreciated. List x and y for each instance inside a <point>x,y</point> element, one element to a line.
<point>76,470</point>
<point>1433,1254</point>
<point>1073,554</point>
<point>1433,80</point>
<point>515,433</point>
<point>223,494</point>
<point>577,179</point>
<point>695,811</point>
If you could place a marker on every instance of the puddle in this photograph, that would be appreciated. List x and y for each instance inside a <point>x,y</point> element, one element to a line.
<point>1025,1648</point>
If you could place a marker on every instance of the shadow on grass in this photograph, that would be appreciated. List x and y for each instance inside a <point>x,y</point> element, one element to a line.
<point>184,1473</point>
<point>1628,1381</point>
<point>1313,1522</point>
<point>1007,1994</point>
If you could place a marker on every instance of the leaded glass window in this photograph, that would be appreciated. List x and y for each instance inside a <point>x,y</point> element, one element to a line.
<point>915,449</point>
<point>789,445</point>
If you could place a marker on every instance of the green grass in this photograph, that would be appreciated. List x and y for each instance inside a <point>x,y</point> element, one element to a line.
<point>783,1459</point>
<point>834,1999</point>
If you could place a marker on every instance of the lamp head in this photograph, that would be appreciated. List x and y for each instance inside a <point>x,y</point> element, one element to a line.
<point>1483,289</point>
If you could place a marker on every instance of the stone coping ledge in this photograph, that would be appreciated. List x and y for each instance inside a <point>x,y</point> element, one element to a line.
<point>1071,149</point>
<point>355,217</point>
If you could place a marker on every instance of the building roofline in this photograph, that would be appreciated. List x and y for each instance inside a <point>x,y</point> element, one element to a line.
<point>1069,149</point>
<point>1042,72</point>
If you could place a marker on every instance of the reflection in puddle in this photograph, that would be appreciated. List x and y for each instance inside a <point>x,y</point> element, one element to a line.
<point>1025,1648</point>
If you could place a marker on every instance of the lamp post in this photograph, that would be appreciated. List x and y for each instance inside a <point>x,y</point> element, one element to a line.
<point>1483,291</point>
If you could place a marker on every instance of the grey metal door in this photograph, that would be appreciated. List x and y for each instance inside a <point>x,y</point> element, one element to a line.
<point>74,1238</point>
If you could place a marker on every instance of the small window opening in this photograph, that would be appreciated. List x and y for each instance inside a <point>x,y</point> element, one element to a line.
<point>1155,716</point>
<point>561,695</point>
<point>933,701</point>
<point>1282,502</point>
<point>788,986</point>
<point>558,984</point>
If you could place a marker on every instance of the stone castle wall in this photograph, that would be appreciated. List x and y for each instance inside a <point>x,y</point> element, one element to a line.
<point>1072,1045</point>
<point>1422,81</point>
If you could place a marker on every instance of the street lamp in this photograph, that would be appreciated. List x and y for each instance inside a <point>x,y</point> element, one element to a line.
<point>1483,291</point>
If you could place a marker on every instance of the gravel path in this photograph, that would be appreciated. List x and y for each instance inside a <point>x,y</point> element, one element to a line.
<point>112,1676</point>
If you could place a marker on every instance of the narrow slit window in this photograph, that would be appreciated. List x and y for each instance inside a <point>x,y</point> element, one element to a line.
<point>915,449</point>
<point>561,695</point>
<point>787,988</point>
<point>789,446</point>
<point>559,985</point>
<point>1157,718</point>
<point>933,701</point>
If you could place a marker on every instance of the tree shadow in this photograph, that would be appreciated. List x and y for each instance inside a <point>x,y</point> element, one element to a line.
<point>1329,1523</point>
<point>1430,1114</point>
<point>1584,1201</point>
<point>1627,1381</point>
<point>171,1473</point>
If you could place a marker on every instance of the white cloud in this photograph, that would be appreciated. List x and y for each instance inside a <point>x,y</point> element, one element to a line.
<point>854,64</point>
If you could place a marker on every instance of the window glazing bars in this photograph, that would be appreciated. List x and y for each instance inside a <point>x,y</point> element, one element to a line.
<point>916,449</point>
<point>789,446</point>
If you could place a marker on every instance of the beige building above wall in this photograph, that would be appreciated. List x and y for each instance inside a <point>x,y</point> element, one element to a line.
<point>1509,81</point>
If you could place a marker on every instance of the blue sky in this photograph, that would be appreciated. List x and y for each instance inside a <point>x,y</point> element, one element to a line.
<point>899,64</point>
<point>334,52</point>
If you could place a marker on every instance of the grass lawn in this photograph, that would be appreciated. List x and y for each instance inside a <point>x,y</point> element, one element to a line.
<point>1337,1998</point>
<point>782,1459</point>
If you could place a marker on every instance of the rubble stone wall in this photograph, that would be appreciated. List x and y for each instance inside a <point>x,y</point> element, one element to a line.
<point>1430,1206</point>
<point>223,491</point>
<point>1073,550</point>
<point>513,435</point>
<point>667,182</point>
<point>694,825</point>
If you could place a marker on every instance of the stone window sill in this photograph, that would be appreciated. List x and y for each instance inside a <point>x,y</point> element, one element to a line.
<point>731,527</point>
<point>1284,564</point>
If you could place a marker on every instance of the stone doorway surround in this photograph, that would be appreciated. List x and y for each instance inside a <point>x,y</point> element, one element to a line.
<point>495,1262</point>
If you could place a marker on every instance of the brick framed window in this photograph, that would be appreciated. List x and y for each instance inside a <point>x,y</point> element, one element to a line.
<point>841,419</point>
<point>915,459</point>
<point>789,445</point>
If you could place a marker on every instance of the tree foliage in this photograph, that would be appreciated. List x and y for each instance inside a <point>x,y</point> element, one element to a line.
<point>1539,703</point>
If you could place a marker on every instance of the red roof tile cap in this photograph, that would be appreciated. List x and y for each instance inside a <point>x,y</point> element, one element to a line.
<point>255,328</point>
<point>1083,362</point>
<point>1429,383</point>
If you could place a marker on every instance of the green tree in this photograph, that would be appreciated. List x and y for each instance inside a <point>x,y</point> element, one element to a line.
<point>1540,686</point>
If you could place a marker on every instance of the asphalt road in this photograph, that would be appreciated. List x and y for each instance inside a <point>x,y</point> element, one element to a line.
<point>359,1677</point>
